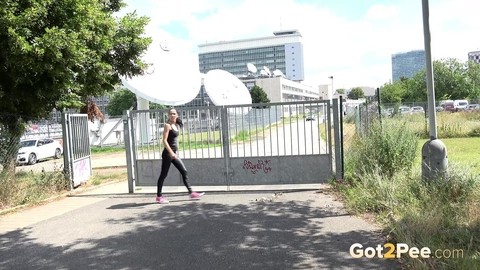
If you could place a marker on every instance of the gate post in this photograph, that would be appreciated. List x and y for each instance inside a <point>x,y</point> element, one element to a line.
<point>337,140</point>
<point>225,128</point>
<point>128,149</point>
<point>67,153</point>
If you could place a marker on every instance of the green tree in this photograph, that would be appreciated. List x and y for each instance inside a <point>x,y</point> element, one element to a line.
<point>415,88</point>
<point>356,93</point>
<point>392,93</point>
<point>120,100</point>
<point>55,53</point>
<point>258,95</point>
<point>123,99</point>
<point>451,81</point>
<point>155,106</point>
<point>473,78</point>
<point>340,91</point>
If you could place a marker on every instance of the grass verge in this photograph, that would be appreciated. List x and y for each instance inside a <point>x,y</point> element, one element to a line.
<point>442,215</point>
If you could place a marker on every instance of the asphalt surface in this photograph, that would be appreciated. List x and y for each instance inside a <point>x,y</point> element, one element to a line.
<point>107,228</point>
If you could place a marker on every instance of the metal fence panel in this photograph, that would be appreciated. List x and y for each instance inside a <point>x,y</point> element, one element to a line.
<point>12,133</point>
<point>221,145</point>
<point>76,148</point>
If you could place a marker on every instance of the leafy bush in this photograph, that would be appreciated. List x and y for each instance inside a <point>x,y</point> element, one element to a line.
<point>442,214</point>
<point>387,147</point>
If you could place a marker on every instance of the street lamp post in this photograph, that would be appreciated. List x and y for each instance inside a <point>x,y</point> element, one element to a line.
<point>331,78</point>
<point>434,151</point>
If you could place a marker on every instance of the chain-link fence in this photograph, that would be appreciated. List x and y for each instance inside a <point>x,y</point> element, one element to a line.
<point>32,147</point>
<point>31,167</point>
<point>359,117</point>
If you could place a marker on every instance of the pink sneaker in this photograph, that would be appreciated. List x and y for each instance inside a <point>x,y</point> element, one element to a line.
<point>161,200</point>
<point>196,195</point>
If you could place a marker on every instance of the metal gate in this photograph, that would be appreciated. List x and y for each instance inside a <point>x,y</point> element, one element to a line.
<point>76,148</point>
<point>268,144</point>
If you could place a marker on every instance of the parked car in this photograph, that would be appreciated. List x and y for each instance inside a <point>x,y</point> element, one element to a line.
<point>417,109</point>
<point>439,109</point>
<point>33,150</point>
<point>389,112</point>
<point>460,105</point>
<point>403,110</point>
<point>448,105</point>
<point>473,107</point>
<point>310,118</point>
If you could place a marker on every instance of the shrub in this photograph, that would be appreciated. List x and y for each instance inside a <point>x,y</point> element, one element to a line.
<point>30,187</point>
<point>387,147</point>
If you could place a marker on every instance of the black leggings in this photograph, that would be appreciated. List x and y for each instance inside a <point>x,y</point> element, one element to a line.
<point>177,162</point>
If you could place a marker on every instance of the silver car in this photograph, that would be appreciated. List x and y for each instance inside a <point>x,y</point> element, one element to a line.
<point>33,150</point>
<point>417,109</point>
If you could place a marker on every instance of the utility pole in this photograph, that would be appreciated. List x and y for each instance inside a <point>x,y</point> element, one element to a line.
<point>434,151</point>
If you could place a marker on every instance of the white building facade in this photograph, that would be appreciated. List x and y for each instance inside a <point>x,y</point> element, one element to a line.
<point>279,89</point>
<point>283,51</point>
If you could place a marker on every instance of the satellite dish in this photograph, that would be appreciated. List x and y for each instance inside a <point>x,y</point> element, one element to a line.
<point>164,46</point>
<point>162,83</point>
<point>278,73</point>
<point>267,70</point>
<point>251,68</point>
<point>263,73</point>
<point>224,88</point>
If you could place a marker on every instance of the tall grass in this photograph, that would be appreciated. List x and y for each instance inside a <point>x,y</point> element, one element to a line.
<point>31,188</point>
<point>388,146</point>
<point>442,215</point>
<point>449,125</point>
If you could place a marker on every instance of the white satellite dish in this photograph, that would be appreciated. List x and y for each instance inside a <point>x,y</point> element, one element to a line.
<point>267,70</point>
<point>278,73</point>
<point>263,73</point>
<point>164,46</point>
<point>162,83</point>
<point>251,68</point>
<point>224,88</point>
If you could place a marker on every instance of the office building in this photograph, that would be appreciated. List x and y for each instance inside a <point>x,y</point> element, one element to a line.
<point>407,64</point>
<point>279,89</point>
<point>281,53</point>
<point>474,56</point>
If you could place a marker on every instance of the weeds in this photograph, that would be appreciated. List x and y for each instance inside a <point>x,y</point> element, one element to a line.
<point>442,215</point>
<point>31,188</point>
<point>388,147</point>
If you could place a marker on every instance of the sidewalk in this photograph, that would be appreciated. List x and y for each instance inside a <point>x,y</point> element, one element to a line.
<point>22,218</point>
<point>107,228</point>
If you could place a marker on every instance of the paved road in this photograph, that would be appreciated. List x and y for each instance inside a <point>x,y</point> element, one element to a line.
<point>107,228</point>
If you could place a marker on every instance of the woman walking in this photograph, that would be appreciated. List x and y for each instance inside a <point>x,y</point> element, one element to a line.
<point>169,156</point>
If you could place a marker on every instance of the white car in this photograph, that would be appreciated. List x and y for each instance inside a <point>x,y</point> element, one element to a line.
<point>417,109</point>
<point>403,110</point>
<point>33,150</point>
<point>473,107</point>
<point>461,105</point>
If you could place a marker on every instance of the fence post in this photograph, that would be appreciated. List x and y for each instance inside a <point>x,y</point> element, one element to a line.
<point>328,132</point>
<point>67,153</point>
<point>128,149</point>
<point>337,140</point>
<point>225,128</point>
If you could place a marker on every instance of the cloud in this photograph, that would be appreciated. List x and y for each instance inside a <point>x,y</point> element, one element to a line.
<point>354,48</point>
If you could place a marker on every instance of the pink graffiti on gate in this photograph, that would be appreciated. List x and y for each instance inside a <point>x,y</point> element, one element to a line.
<point>261,165</point>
